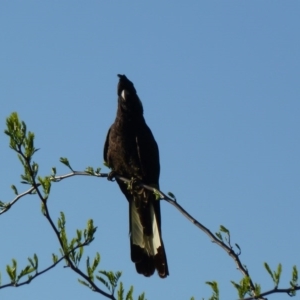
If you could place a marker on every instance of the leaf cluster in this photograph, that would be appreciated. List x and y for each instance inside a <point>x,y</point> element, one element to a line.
<point>15,276</point>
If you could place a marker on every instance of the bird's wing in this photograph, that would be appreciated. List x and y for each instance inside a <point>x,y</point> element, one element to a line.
<point>106,145</point>
<point>145,219</point>
<point>148,154</point>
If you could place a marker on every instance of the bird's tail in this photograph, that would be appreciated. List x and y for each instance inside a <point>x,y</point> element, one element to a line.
<point>147,248</point>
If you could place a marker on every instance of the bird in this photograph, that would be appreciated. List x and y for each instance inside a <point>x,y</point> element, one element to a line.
<point>131,151</point>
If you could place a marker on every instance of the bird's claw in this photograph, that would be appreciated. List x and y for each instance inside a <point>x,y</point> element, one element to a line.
<point>111,176</point>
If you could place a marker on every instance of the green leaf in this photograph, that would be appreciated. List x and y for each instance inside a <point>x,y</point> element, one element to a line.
<point>54,258</point>
<point>31,262</point>
<point>63,219</point>
<point>269,270</point>
<point>244,287</point>
<point>104,282</point>
<point>12,271</point>
<point>14,189</point>
<point>112,278</point>
<point>224,229</point>
<point>43,209</point>
<point>71,250</point>
<point>64,241</point>
<point>245,284</point>
<point>46,185</point>
<point>156,194</point>
<point>294,276</point>
<point>215,289</point>
<point>236,285</point>
<point>172,195</point>
<point>25,181</point>
<point>78,255</point>
<point>129,295</point>
<point>61,222</point>
<point>65,161</point>
<point>142,297</point>
<point>89,269</point>
<point>79,235</point>
<point>90,170</point>
<point>96,262</point>
<point>89,232</point>
<point>219,235</point>
<point>121,292</point>
<point>257,289</point>
<point>274,275</point>
<point>29,145</point>
<point>16,130</point>
<point>277,275</point>
<point>53,171</point>
<point>36,261</point>
<point>27,270</point>
<point>294,281</point>
<point>84,282</point>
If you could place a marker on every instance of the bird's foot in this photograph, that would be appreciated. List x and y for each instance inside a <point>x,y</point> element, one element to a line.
<point>111,176</point>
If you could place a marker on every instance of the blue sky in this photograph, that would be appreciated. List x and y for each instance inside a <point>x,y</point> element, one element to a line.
<point>219,82</point>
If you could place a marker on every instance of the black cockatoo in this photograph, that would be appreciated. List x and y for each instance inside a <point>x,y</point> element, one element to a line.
<point>131,151</point>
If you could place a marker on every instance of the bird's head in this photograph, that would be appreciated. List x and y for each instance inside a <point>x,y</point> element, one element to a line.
<point>128,98</point>
<point>125,87</point>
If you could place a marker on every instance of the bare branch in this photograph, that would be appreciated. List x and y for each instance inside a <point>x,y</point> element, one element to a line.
<point>54,179</point>
<point>275,290</point>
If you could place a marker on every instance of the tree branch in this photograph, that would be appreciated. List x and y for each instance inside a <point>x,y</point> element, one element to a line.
<point>35,187</point>
<point>227,248</point>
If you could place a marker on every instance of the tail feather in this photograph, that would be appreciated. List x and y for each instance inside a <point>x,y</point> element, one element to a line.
<point>147,249</point>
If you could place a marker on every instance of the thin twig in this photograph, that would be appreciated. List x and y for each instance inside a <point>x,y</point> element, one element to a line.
<point>53,178</point>
<point>275,290</point>
<point>45,270</point>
